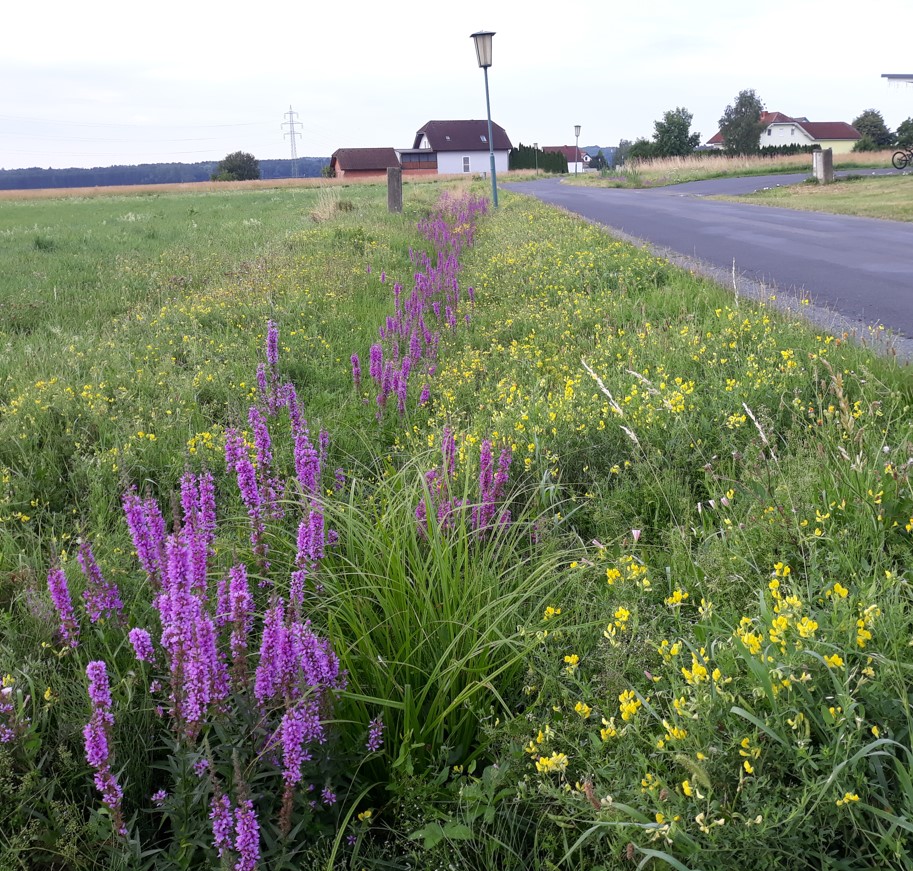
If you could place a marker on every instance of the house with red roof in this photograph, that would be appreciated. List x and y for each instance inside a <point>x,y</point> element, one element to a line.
<point>781,129</point>
<point>455,147</point>
<point>363,162</point>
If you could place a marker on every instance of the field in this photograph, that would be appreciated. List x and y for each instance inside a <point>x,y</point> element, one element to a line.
<point>463,538</point>
<point>675,170</point>
<point>890,198</point>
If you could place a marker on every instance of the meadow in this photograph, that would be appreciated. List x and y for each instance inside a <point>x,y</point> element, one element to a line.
<point>866,196</point>
<point>462,538</point>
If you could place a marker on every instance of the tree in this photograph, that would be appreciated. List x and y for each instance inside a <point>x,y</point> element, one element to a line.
<point>741,125</point>
<point>599,161</point>
<point>871,123</point>
<point>672,135</point>
<point>642,149</point>
<point>904,134</point>
<point>237,166</point>
<point>621,152</point>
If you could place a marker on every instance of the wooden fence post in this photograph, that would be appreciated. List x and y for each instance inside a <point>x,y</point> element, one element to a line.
<point>394,189</point>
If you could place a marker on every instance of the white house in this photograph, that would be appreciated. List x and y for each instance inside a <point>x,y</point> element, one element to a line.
<point>781,129</point>
<point>456,147</point>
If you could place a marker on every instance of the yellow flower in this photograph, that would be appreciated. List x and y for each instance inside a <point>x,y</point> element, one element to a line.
<point>749,769</point>
<point>555,762</point>
<point>583,709</point>
<point>686,788</point>
<point>364,816</point>
<point>608,729</point>
<point>628,705</point>
<point>834,661</point>
<point>573,661</point>
<point>551,612</point>
<point>848,797</point>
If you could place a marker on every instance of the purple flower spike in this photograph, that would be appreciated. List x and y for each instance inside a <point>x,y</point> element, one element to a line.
<point>247,837</point>
<point>60,595</point>
<point>356,370</point>
<point>142,645</point>
<point>375,735</point>
<point>96,734</point>
<point>101,597</point>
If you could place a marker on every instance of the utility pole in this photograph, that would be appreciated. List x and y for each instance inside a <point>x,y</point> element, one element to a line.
<point>292,133</point>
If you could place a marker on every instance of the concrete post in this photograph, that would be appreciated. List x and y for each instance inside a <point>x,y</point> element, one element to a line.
<point>394,189</point>
<point>823,165</point>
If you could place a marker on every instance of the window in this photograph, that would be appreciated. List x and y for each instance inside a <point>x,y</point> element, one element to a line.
<point>466,163</point>
<point>769,131</point>
<point>483,138</point>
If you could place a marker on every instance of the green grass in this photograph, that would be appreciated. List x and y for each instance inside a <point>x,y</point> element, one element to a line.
<point>888,198</point>
<point>674,452</point>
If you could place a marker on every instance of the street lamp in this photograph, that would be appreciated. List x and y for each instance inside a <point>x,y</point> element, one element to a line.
<point>536,152</point>
<point>577,160</point>
<point>483,53</point>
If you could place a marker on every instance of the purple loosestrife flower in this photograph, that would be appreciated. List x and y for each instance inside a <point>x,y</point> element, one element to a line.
<point>307,465</point>
<point>101,597</point>
<point>356,370</point>
<point>60,596</point>
<point>376,365</point>
<point>11,723</point>
<point>159,798</point>
<point>272,344</point>
<point>289,398</point>
<point>425,395</point>
<point>270,487</point>
<point>238,460</point>
<point>300,726</point>
<point>223,823</point>
<point>375,735</point>
<point>339,480</point>
<point>147,530</point>
<point>198,675</point>
<point>241,615</point>
<point>247,837</point>
<point>142,645</point>
<point>96,735</point>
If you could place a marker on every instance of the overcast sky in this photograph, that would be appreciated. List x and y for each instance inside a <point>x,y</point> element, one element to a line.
<point>101,82</point>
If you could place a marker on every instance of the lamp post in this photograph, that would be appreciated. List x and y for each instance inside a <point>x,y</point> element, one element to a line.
<point>577,147</point>
<point>536,152</point>
<point>483,53</point>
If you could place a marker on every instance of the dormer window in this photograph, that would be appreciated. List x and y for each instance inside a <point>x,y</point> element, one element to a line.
<point>483,138</point>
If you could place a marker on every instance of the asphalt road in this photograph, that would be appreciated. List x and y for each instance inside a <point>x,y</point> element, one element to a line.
<point>859,268</point>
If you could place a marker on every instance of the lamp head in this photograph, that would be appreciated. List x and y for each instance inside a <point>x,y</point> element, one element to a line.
<point>483,46</point>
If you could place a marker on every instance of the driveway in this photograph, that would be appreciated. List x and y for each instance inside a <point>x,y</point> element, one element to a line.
<point>857,272</point>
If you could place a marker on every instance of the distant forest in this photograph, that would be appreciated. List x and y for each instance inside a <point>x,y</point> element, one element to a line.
<point>145,173</point>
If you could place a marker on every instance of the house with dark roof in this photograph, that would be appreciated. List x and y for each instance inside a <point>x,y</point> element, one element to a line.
<point>363,162</point>
<point>456,147</point>
<point>780,129</point>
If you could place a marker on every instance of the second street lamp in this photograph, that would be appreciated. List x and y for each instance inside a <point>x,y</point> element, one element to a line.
<point>483,53</point>
<point>577,148</point>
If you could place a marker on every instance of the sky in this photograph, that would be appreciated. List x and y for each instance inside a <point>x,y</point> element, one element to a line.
<point>100,83</point>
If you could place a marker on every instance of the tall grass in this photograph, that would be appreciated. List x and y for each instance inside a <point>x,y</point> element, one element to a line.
<point>674,170</point>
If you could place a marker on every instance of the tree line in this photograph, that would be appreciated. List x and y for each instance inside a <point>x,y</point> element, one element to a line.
<point>741,128</point>
<point>35,178</point>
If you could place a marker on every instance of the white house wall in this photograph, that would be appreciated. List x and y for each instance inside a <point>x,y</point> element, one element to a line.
<point>785,134</point>
<point>479,161</point>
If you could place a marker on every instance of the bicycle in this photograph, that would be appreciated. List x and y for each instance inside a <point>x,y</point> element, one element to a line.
<point>902,159</point>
